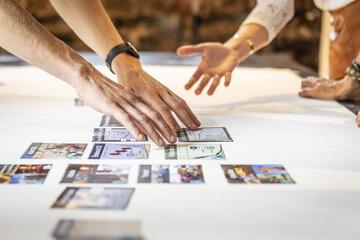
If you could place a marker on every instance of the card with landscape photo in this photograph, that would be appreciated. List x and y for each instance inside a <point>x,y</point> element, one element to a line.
<point>170,174</point>
<point>55,151</point>
<point>24,174</point>
<point>72,229</point>
<point>195,151</point>
<point>119,151</point>
<point>250,174</point>
<point>113,135</point>
<point>206,134</point>
<point>94,198</point>
<point>107,121</point>
<point>96,174</point>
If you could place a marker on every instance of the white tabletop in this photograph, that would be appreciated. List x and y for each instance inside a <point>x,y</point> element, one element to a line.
<point>317,141</point>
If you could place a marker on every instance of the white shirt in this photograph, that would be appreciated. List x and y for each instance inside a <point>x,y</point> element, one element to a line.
<point>273,15</point>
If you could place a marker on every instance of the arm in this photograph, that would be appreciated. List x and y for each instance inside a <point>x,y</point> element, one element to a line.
<point>219,60</point>
<point>92,24</point>
<point>23,36</point>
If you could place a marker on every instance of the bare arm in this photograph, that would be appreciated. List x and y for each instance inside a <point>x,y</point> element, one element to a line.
<point>23,36</point>
<point>92,24</point>
<point>219,60</point>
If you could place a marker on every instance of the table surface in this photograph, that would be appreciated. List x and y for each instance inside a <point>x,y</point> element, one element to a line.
<point>317,141</point>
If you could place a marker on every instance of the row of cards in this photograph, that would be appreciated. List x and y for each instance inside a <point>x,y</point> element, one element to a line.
<point>208,134</point>
<point>122,151</point>
<point>119,174</point>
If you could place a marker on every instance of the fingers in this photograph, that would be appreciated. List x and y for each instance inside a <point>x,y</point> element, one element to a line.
<point>195,77</point>
<point>188,50</point>
<point>214,85</point>
<point>125,118</point>
<point>166,114</point>
<point>155,116</point>
<point>182,110</point>
<point>204,81</point>
<point>227,79</point>
<point>147,124</point>
<point>307,83</point>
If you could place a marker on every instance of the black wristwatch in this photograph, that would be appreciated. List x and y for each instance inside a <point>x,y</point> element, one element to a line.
<point>353,71</point>
<point>126,48</point>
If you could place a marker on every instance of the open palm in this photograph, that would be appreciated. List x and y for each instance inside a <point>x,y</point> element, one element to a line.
<point>217,62</point>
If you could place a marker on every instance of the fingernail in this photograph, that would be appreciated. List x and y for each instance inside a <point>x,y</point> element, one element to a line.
<point>141,136</point>
<point>161,142</point>
<point>172,138</point>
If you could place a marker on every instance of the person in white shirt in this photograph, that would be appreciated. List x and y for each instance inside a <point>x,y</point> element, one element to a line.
<point>262,25</point>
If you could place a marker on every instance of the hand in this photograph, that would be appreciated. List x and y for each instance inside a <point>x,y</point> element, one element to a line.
<point>328,89</point>
<point>130,74</point>
<point>218,61</point>
<point>114,100</point>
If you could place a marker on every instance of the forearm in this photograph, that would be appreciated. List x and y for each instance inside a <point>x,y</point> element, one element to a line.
<point>257,35</point>
<point>23,36</point>
<point>89,20</point>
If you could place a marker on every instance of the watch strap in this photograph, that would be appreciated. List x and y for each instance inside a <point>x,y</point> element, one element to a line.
<point>126,48</point>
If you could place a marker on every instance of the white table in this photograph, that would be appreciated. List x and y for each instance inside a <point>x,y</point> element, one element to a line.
<point>317,141</point>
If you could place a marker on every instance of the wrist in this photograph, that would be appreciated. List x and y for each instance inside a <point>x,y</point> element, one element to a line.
<point>241,47</point>
<point>124,65</point>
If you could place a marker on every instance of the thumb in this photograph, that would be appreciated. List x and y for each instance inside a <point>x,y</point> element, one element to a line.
<point>188,50</point>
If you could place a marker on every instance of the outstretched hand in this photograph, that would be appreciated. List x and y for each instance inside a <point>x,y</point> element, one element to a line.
<point>218,61</point>
<point>114,100</point>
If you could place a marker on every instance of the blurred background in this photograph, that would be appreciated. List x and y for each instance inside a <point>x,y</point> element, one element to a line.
<point>163,25</point>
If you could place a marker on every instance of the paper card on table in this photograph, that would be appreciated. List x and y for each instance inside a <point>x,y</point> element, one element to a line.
<point>170,174</point>
<point>96,174</point>
<point>94,198</point>
<point>24,174</point>
<point>55,151</point>
<point>195,151</point>
<point>107,121</point>
<point>119,151</point>
<point>250,174</point>
<point>67,229</point>
<point>207,134</point>
<point>113,135</point>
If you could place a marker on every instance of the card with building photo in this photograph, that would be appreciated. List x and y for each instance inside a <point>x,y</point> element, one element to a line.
<point>113,135</point>
<point>119,151</point>
<point>170,174</point>
<point>70,229</point>
<point>195,151</point>
<point>206,134</point>
<point>24,174</point>
<point>107,121</point>
<point>252,174</point>
<point>94,198</point>
<point>55,151</point>
<point>96,174</point>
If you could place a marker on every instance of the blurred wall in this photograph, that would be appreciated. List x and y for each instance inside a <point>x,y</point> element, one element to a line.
<point>163,25</point>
